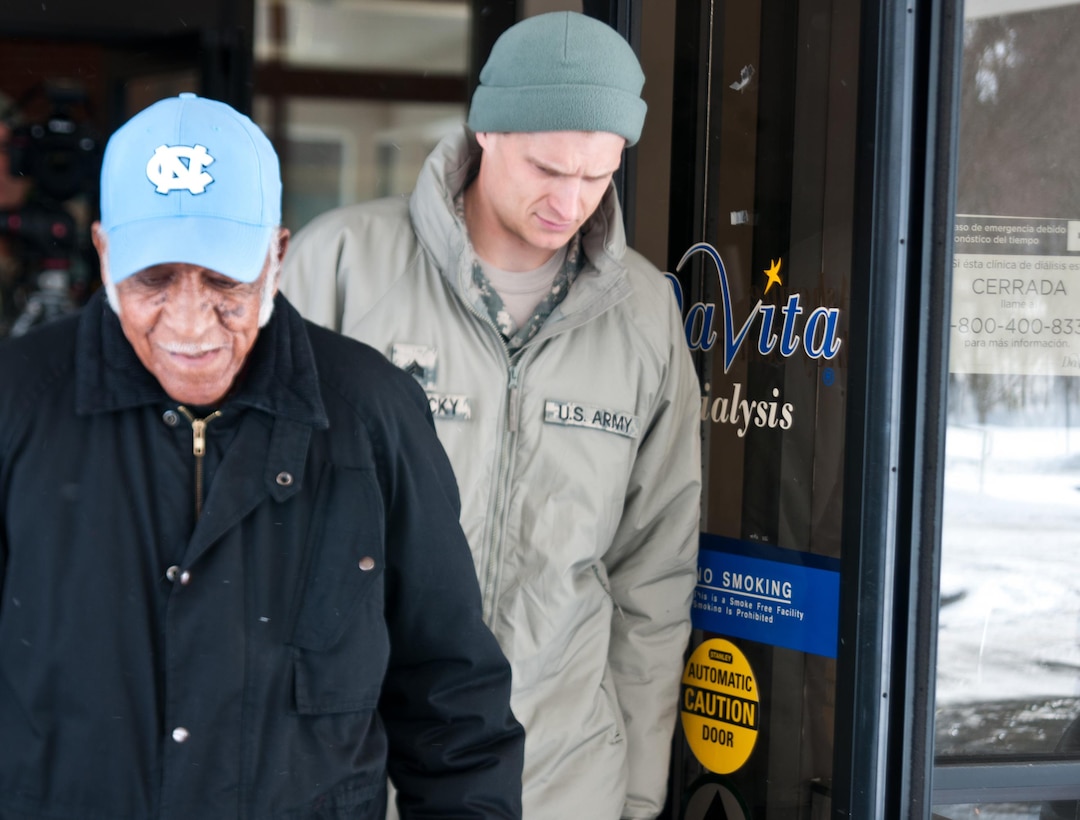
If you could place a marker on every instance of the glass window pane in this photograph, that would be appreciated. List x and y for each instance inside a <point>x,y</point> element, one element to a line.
<point>377,35</point>
<point>339,152</point>
<point>1008,677</point>
<point>356,93</point>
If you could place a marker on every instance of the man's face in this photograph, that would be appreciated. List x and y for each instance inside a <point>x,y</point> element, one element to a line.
<point>191,327</point>
<point>537,189</point>
<point>13,190</point>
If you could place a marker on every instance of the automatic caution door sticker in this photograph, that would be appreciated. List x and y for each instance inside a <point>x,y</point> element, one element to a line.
<point>720,706</point>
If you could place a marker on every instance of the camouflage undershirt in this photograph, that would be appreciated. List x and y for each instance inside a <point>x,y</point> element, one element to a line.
<point>493,303</point>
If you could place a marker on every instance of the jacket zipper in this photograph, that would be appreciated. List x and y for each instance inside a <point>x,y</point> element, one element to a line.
<point>198,449</point>
<point>502,481</point>
<point>505,456</point>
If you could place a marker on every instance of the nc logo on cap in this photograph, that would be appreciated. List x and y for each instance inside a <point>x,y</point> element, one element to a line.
<point>168,172</point>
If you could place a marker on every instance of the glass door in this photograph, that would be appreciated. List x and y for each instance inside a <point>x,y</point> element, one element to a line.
<point>1007,722</point>
<point>761,235</point>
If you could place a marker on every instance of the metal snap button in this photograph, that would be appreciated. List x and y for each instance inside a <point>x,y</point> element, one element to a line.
<point>367,563</point>
<point>185,578</point>
<point>284,479</point>
<point>171,418</point>
<point>180,734</point>
<point>173,572</point>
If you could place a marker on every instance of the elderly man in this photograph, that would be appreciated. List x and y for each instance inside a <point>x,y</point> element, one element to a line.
<point>555,365</point>
<point>232,581</point>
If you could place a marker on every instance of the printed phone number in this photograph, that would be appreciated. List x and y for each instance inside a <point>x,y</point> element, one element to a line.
<point>1021,327</point>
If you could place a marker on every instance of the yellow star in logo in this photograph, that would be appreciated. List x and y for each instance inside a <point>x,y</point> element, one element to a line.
<point>773,273</point>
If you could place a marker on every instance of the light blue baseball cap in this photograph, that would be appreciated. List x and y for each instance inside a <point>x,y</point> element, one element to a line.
<point>190,180</point>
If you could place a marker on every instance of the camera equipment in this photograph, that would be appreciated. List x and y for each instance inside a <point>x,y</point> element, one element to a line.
<point>62,156</point>
<point>49,237</point>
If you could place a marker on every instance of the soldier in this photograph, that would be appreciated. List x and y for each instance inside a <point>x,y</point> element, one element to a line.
<point>555,364</point>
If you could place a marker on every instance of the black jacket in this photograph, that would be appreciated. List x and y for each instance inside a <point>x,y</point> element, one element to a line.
<point>260,660</point>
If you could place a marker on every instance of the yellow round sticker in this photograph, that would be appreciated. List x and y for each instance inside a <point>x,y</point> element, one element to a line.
<point>720,706</point>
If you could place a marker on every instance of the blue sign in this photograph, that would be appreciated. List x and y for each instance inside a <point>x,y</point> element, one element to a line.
<point>767,594</point>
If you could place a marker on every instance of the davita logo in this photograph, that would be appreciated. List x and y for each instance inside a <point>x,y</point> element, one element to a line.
<point>817,336</point>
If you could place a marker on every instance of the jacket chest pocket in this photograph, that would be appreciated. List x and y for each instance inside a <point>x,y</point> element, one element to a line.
<point>339,637</point>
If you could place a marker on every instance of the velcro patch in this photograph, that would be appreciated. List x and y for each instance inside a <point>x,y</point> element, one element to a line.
<point>445,406</point>
<point>572,414</point>
<point>419,361</point>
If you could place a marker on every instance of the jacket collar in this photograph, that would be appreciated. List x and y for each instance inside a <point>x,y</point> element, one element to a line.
<point>446,172</point>
<point>279,378</point>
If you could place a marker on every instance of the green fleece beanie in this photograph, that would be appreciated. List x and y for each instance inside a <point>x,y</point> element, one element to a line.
<point>560,71</point>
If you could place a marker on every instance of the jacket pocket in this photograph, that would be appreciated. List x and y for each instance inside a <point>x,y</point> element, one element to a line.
<point>360,798</point>
<point>339,635</point>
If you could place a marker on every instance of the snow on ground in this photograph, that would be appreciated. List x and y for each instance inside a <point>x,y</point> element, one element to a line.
<point>1009,625</point>
<point>1008,664</point>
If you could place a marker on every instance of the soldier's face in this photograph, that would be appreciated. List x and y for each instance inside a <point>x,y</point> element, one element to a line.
<point>541,187</point>
<point>192,327</point>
